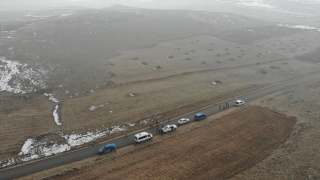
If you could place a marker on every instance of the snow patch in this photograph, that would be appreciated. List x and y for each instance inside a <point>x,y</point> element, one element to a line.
<point>79,139</point>
<point>260,4</point>
<point>130,124</point>
<point>145,121</point>
<point>9,162</point>
<point>116,129</point>
<point>68,14</point>
<point>92,108</point>
<point>299,27</point>
<point>26,147</point>
<point>51,97</point>
<point>16,77</point>
<point>35,148</point>
<point>56,116</point>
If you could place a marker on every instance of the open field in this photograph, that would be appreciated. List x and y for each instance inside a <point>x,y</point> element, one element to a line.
<point>216,148</point>
<point>298,157</point>
<point>132,66</point>
<point>292,156</point>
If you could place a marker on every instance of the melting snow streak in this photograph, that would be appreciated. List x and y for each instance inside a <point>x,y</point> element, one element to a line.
<point>56,116</point>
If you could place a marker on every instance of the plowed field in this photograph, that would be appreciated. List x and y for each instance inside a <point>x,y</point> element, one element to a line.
<point>218,149</point>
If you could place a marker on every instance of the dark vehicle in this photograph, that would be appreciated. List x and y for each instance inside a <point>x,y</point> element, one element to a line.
<point>199,116</point>
<point>107,148</point>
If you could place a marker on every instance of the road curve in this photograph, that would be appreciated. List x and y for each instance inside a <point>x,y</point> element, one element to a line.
<point>50,162</point>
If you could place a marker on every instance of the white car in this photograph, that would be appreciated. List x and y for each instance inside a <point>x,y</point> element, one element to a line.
<point>143,136</point>
<point>183,121</point>
<point>169,128</point>
<point>239,103</point>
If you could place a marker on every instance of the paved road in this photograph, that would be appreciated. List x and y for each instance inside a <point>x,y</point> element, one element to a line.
<point>48,163</point>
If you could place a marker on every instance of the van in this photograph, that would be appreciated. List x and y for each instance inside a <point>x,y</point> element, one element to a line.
<point>199,116</point>
<point>143,136</point>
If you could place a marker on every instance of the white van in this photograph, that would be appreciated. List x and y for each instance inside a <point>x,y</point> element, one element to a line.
<point>143,136</point>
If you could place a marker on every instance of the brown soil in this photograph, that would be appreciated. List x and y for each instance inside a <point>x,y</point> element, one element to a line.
<point>298,157</point>
<point>215,149</point>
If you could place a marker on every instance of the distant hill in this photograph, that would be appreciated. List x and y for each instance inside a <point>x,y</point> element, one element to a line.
<point>120,7</point>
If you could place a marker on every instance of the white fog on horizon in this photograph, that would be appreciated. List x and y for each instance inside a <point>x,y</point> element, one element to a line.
<point>21,5</point>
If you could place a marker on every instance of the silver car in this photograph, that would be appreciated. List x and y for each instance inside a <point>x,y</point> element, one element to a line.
<point>169,128</point>
<point>183,121</point>
<point>239,103</point>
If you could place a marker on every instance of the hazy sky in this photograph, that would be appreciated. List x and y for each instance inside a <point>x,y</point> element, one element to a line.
<point>9,5</point>
<point>312,6</point>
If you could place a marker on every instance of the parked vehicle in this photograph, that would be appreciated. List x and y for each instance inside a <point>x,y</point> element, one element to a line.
<point>183,121</point>
<point>143,136</point>
<point>239,103</point>
<point>107,148</point>
<point>169,128</point>
<point>199,116</point>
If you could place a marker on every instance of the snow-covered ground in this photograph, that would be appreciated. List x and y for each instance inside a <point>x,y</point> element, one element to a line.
<point>301,7</point>
<point>35,148</point>
<point>51,97</point>
<point>250,3</point>
<point>32,15</point>
<point>299,27</point>
<point>16,77</point>
<point>307,1</point>
<point>256,3</point>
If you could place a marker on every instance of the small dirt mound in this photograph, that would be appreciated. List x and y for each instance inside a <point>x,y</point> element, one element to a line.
<point>262,72</point>
<point>143,63</point>
<point>275,67</point>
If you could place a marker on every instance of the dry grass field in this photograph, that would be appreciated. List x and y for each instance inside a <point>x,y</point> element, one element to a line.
<point>168,60</point>
<point>298,157</point>
<point>214,149</point>
<point>22,117</point>
<point>283,133</point>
